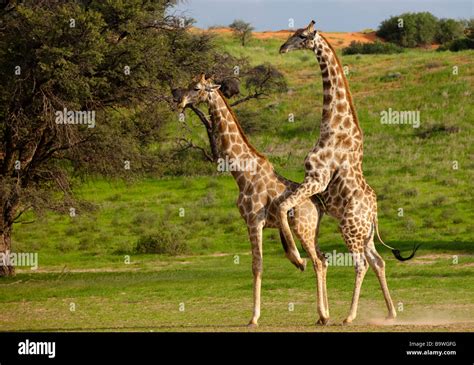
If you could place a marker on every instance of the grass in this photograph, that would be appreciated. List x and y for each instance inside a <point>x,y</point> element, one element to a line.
<point>83,259</point>
<point>215,293</point>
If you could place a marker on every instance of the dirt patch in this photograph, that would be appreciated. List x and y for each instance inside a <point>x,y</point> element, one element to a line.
<point>67,270</point>
<point>434,258</point>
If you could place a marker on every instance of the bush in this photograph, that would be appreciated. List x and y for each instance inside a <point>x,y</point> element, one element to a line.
<point>371,48</point>
<point>391,76</point>
<point>161,243</point>
<point>449,30</point>
<point>458,45</point>
<point>166,240</point>
<point>418,29</point>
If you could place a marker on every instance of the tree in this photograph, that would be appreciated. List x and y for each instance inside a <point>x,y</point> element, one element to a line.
<point>260,81</point>
<point>242,30</point>
<point>85,90</point>
<point>469,28</point>
<point>449,30</point>
<point>409,29</point>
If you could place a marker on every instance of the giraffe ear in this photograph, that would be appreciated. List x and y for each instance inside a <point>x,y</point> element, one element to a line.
<point>310,27</point>
<point>202,77</point>
<point>213,87</point>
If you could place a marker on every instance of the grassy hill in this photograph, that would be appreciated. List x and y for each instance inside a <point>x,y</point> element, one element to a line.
<point>82,258</point>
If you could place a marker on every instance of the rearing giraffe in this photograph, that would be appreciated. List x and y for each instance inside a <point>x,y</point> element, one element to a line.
<point>334,169</point>
<point>261,192</point>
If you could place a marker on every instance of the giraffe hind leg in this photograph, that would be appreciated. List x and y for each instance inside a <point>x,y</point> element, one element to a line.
<point>306,229</point>
<point>378,265</point>
<point>355,243</point>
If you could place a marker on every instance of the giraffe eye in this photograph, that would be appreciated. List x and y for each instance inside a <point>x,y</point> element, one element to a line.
<point>197,88</point>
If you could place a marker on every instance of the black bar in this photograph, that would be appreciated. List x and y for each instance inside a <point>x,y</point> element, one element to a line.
<point>382,348</point>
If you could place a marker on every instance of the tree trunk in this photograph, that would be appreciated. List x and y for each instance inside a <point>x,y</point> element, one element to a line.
<point>210,132</point>
<point>5,249</point>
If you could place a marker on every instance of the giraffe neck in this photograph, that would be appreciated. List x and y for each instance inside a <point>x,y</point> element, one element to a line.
<point>233,145</point>
<point>338,111</point>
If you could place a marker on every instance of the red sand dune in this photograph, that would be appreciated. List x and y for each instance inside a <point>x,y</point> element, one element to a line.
<point>338,40</point>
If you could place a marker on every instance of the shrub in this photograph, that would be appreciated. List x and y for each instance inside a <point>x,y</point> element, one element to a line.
<point>371,48</point>
<point>166,240</point>
<point>391,76</point>
<point>449,30</point>
<point>162,243</point>
<point>457,45</point>
<point>418,29</point>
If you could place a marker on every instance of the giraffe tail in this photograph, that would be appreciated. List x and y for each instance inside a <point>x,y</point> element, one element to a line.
<point>395,252</point>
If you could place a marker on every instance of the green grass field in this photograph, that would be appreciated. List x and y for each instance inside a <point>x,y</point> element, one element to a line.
<point>90,278</point>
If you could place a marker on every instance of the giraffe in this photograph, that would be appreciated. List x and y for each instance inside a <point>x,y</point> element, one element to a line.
<point>333,169</point>
<point>261,190</point>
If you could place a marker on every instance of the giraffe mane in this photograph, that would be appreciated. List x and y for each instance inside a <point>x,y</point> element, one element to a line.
<point>346,84</point>
<point>239,127</point>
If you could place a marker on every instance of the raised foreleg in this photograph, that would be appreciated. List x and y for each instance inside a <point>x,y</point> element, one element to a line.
<point>312,185</point>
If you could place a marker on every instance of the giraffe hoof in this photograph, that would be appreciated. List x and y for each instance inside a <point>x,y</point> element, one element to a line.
<point>391,317</point>
<point>322,321</point>
<point>347,321</point>
<point>302,265</point>
<point>252,325</point>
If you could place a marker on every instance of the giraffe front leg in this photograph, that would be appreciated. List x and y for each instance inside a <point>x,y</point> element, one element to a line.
<point>255,234</point>
<point>304,191</point>
<point>324,268</point>
<point>322,304</point>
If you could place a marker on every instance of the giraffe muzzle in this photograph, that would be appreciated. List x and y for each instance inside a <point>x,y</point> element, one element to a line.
<point>182,105</point>
<point>284,49</point>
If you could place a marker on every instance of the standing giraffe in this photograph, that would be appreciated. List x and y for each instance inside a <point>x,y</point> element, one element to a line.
<point>334,170</point>
<point>261,192</point>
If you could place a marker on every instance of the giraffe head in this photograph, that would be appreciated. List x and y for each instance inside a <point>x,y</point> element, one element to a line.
<point>198,91</point>
<point>304,38</point>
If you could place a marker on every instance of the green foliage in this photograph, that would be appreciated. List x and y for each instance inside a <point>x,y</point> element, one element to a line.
<point>265,79</point>
<point>163,244</point>
<point>371,48</point>
<point>242,30</point>
<point>469,28</point>
<point>166,240</point>
<point>117,59</point>
<point>409,29</point>
<point>449,30</point>
<point>463,43</point>
<point>458,45</point>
